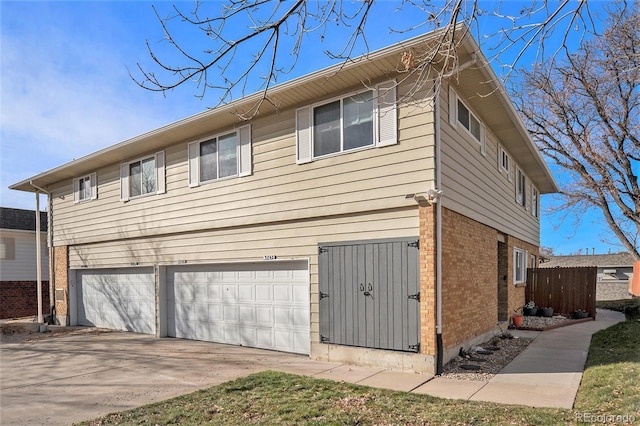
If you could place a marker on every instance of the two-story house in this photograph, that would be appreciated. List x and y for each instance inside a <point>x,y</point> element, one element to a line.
<point>369,219</point>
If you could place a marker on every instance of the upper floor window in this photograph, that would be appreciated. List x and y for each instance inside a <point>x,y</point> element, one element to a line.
<point>343,124</point>
<point>359,120</point>
<point>521,188</point>
<point>220,156</point>
<point>144,176</point>
<point>504,162</point>
<point>460,113</point>
<point>85,188</point>
<point>468,120</point>
<point>535,202</point>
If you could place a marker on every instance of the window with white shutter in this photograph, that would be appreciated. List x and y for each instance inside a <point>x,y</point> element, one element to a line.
<point>352,122</point>
<point>85,188</point>
<point>220,156</point>
<point>142,177</point>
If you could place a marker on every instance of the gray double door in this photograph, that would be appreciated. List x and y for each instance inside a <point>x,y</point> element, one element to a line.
<point>369,294</point>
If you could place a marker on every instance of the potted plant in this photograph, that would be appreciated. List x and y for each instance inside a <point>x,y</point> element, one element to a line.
<point>580,314</point>
<point>530,309</point>
<point>517,318</point>
<point>547,312</point>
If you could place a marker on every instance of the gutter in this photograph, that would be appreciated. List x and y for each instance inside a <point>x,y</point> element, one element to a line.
<point>39,251</point>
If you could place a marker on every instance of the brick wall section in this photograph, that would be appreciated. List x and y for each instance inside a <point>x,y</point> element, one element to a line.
<point>427,280</point>
<point>469,288</point>
<point>20,299</point>
<point>61,277</point>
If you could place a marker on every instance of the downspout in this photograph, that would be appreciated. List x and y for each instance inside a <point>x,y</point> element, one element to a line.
<point>439,349</point>
<point>39,250</point>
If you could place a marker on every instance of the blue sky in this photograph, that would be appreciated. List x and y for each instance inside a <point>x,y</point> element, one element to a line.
<point>66,92</point>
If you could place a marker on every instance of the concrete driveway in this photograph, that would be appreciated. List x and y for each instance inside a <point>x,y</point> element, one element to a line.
<point>74,378</point>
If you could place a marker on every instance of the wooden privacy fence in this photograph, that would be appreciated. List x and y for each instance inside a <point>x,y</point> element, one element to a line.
<point>564,289</point>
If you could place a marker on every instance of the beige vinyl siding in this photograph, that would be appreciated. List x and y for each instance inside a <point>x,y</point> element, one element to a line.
<point>23,266</point>
<point>288,240</point>
<point>473,185</point>
<point>278,190</point>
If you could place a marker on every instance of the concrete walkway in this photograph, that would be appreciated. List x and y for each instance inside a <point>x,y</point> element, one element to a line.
<point>546,374</point>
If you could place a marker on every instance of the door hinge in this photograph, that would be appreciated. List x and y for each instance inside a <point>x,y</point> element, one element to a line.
<point>415,347</point>
<point>322,250</point>
<point>324,339</point>
<point>415,244</point>
<point>415,296</point>
<point>323,295</point>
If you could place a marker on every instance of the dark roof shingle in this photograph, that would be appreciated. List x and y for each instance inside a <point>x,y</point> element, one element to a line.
<point>23,220</point>
<point>600,260</point>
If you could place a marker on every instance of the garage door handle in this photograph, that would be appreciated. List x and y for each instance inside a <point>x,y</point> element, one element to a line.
<point>369,290</point>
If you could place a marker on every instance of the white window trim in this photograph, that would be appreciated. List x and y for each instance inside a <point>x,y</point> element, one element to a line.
<point>244,148</point>
<point>453,120</point>
<point>93,182</point>
<point>385,127</point>
<point>508,172</point>
<point>535,202</point>
<point>159,174</point>
<point>524,256</point>
<point>521,200</point>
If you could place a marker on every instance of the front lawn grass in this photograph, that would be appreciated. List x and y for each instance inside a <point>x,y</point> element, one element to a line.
<point>611,381</point>
<point>610,386</point>
<point>278,398</point>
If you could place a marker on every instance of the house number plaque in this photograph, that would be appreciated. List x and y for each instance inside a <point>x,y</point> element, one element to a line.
<point>270,257</point>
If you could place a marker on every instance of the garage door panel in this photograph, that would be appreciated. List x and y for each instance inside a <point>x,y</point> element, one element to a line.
<point>121,299</point>
<point>230,313</point>
<point>283,317</point>
<point>281,293</point>
<point>263,293</point>
<point>264,338</point>
<point>215,313</point>
<point>300,294</point>
<point>230,293</point>
<point>247,314</point>
<point>247,304</point>
<point>231,334</point>
<point>264,314</point>
<point>246,293</point>
<point>214,292</point>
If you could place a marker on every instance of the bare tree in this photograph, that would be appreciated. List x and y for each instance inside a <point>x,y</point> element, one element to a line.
<point>266,38</point>
<point>584,113</point>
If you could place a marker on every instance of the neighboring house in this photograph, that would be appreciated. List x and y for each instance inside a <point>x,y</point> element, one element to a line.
<point>361,224</point>
<point>615,272</point>
<point>18,272</point>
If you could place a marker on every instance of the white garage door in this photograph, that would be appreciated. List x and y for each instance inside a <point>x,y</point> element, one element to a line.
<point>120,299</point>
<point>262,305</point>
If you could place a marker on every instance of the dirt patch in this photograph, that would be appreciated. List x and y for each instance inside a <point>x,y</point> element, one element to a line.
<point>21,331</point>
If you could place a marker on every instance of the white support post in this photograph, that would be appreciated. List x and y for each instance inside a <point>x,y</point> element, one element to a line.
<point>39,258</point>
